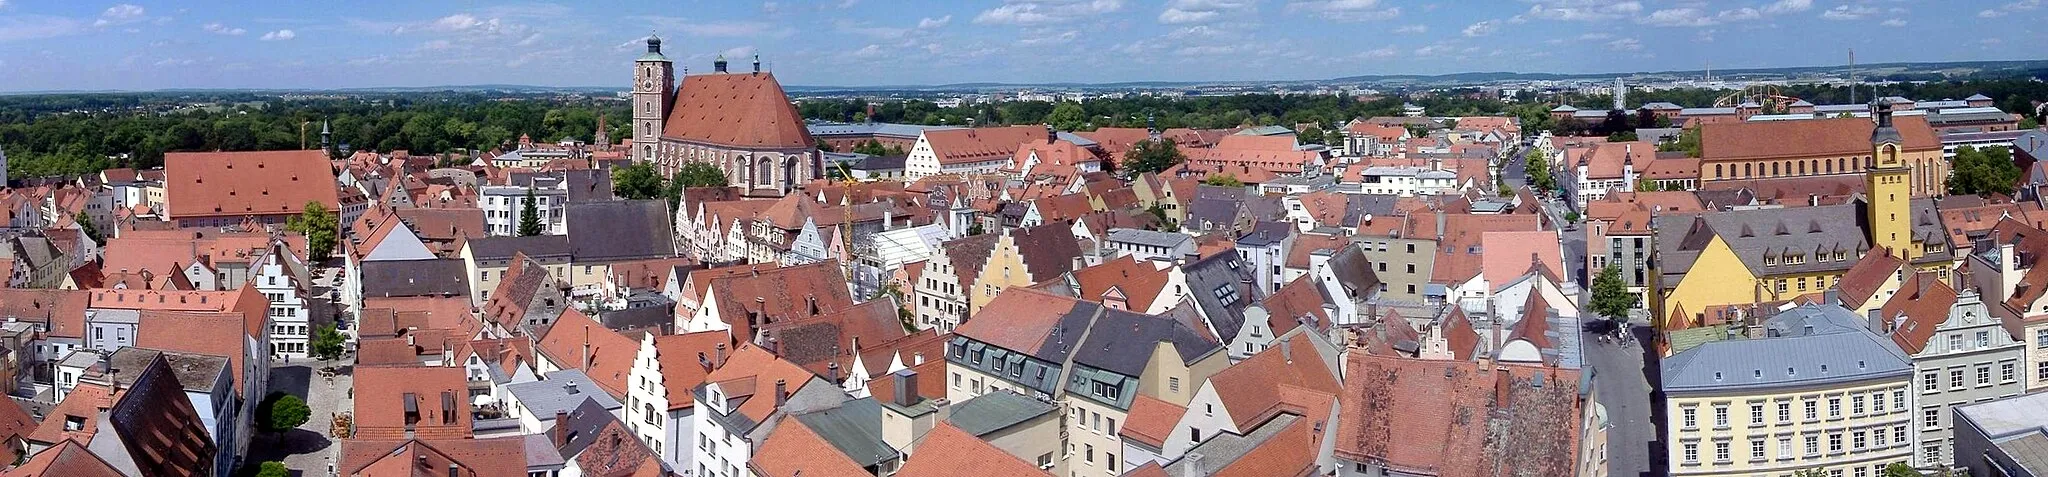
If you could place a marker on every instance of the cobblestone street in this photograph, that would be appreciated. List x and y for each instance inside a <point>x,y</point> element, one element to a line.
<point>309,450</point>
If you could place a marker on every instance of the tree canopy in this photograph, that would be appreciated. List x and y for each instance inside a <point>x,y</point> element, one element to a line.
<point>1152,156</point>
<point>1225,180</point>
<point>699,174</point>
<point>282,412</point>
<point>1067,116</point>
<point>321,229</point>
<point>637,181</point>
<point>1987,170</point>
<point>1611,297</point>
<point>529,216</point>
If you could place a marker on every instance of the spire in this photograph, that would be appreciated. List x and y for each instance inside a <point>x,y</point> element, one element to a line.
<point>1881,109</point>
<point>1152,125</point>
<point>757,64</point>
<point>718,65</point>
<point>653,43</point>
<point>326,137</point>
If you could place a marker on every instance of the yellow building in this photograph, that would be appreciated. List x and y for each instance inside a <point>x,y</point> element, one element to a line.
<point>1022,257</point>
<point>1753,150</point>
<point>1708,261</point>
<point>1822,393</point>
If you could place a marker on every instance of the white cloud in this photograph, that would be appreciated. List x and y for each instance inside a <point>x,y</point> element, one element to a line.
<point>735,29</point>
<point>36,27</point>
<point>1386,52</point>
<point>120,15</point>
<point>2022,5</point>
<point>1434,50</point>
<point>1679,17</point>
<point>1595,36</point>
<point>1483,28</point>
<point>1046,11</point>
<point>530,40</point>
<point>1739,14</point>
<point>1051,38</point>
<point>1345,10</point>
<point>1990,14</point>
<point>1581,10</point>
<point>869,51</point>
<point>1412,29</point>
<point>928,23</point>
<point>1625,44</point>
<point>1200,11</point>
<point>218,28</point>
<point>1848,12</point>
<point>1788,6</point>
<point>1894,23</point>
<point>280,35</point>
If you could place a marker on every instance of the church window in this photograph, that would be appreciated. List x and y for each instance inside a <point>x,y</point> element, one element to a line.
<point>1802,168</point>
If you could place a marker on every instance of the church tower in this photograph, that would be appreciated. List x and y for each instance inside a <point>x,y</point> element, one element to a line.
<point>1888,183</point>
<point>654,89</point>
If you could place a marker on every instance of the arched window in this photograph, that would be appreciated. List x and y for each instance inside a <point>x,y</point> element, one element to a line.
<point>1774,169</point>
<point>765,171</point>
<point>1829,165</point>
<point>1746,171</point>
<point>1802,168</point>
<point>1717,171</point>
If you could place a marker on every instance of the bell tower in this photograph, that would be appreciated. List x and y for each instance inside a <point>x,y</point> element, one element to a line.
<point>654,89</point>
<point>1888,182</point>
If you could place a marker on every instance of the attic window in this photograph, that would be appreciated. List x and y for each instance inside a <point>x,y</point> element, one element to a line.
<point>1226,293</point>
<point>73,423</point>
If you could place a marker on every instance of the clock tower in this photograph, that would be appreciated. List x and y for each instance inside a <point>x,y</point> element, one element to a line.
<point>654,89</point>
<point>1888,182</point>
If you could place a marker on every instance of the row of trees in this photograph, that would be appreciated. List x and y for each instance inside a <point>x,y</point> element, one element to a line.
<point>43,138</point>
<point>1194,112</point>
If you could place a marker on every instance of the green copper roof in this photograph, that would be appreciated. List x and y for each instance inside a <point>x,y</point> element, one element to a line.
<point>652,56</point>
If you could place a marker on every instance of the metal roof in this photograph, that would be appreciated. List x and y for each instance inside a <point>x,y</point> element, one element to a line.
<point>855,428</point>
<point>1836,349</point>
<point>1149,237</point>
<point>995,411</point>
<point>562,390</point>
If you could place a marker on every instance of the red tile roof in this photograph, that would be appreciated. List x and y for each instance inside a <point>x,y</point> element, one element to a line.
<point>1444,418</point>
<point>794,450</point>
<point>1806,138</point>
<point>946,451</point>
<point>1018,319</point>
<point>1151,420</point>
<point>1912,315</point>
<point>66,459</point>
<point>1861,282</point>
<point>381,401</point>
<point>744,111</point>
<point>195,332</point>
<point>955,146</point>
<point>1252,390</point>
<point>1290,453</point>
<point>236,184</point>
<point>748,301</point>
<point>404,458</point>
<point>683,359</point>
<point>575,341</point>
<point>1508,255</point>
<point>1138,283</point>
<point>83,404</point>
<point>749,377</point>
<point>62,310</point>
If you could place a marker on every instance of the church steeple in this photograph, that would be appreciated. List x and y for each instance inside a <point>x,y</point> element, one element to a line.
<point>1888,184</point>
<point>326,138</point>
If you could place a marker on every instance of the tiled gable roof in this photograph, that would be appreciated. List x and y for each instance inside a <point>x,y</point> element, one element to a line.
<point>794,450</point>
<point>438,396</point>
<point>946,451</point>
<point>954,146</point>
<point>743,111</point>
<point>217,184</point>
<point>1453,419</point>
<point>1252,390</point>
<point>1921,305</point>
<point>470,457</point>
<point>578,342</point>
<point>772,294</point>
<point>1815,137</point>
<point>685,359</point>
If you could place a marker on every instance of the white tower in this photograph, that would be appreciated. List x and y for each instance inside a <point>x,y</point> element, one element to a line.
<point>654,89</point>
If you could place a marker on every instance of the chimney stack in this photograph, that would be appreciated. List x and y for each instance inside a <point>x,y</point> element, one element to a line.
<point>1051,136</point>
<point>560,433</point>
<point>454,470</point>
<point>832,371</point>
<point>906,388</point>
<point>781,392</point>
<point>721,355</point>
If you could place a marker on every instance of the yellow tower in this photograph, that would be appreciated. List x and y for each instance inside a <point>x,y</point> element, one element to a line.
<point>1888,183</point>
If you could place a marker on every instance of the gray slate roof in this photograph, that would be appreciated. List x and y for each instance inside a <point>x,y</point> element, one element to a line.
<point>619,230</point>
<point>855,427</point>
<point>437,277</point>
<point>1123,341</point>
<point>1754,234</point>
<point>536,247</point>
<point>1149,237</point>
<point>542,398</point>
<point>196,372</point>
<point>1221,286</point>
<point>1838,351</point>
<point>996,411</point>
<point>1266,233</point>
<point>590,185</point>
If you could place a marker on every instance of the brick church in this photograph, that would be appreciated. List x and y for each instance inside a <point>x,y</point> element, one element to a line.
<point>741,122</point>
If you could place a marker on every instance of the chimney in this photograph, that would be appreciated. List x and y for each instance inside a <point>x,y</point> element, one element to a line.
<point>586,348</point>
<point>703,361</point>
<point>454,470</point>
<point>570,387</point>
<point>1192,467</point>
<point>781,392</point>
<point>1051,136</point>
<point>560,433</point>
<point>1287,350</point>
<point>757,64</point>
<point>721,355</point>
<point>832,371</point>
<point>906,388</point>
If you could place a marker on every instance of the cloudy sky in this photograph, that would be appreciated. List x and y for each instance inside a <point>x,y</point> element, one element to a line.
<point>145,44</point>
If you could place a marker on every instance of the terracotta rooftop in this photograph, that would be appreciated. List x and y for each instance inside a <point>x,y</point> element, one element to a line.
<point>431,402</point>
<point>237,184</point>
<point>1136,283</point>
<point>748,377</point>
<point>684,360</point>
<point>1806,138</point>
<point>575,341</point>
<point>433,457</point>
<point>1453,419</point>
<point>955,146</point>
<point>794,450</point>
<point>66,459</point>
<point>946,451</point>
<point>1861,282</point>
<point>1921,305</point>
<point>744,111</point>
<point>773,294</point>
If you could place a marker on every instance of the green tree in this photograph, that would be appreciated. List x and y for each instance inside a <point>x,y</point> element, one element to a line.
<point>1647,185</point>
<point>1067,116</point>
<point>1611,297</point>
<point>273,469</point>
<point>1152,156</point>
<point>699,174</point>
<point>91,229</point>
<point>1311,135</point>
<point>637,181</point>
<point>1333,138</point>
<point>1621,136</point>
<point>1225,180</point>
<point>974,228</point>
<point>1539,173</point>
<point>1988,170</point>
<point>529,216</point>
<point>1571,216</point>
<point>1688,141</point>
<point>321,229</point>
<point>1165,223</point>
<point>282,412</point>
<point>1900,469</point>
<point>327,343</point>
<point>2029,123</point>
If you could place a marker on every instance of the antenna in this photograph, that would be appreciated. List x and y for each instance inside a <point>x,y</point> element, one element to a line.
<point>1852,76</point>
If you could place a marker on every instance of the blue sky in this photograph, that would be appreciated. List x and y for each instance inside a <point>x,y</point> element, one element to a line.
<point>145,44</point>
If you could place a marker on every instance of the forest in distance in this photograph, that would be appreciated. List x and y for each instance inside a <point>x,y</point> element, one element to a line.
<point>76,133</point>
